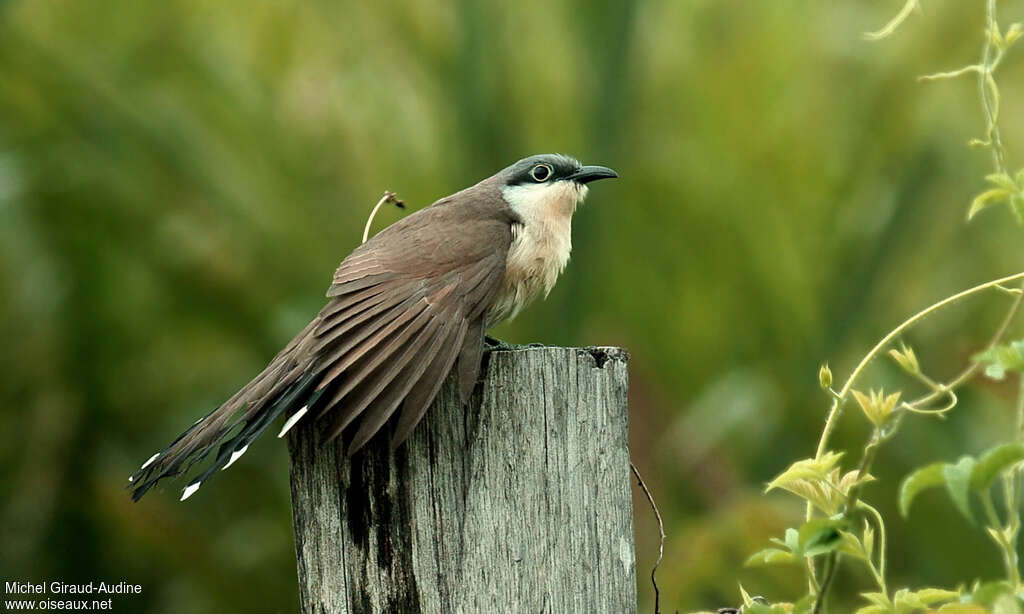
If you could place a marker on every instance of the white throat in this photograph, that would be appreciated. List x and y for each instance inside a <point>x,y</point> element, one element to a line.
<point>531,200</point>
<point>540,244</point>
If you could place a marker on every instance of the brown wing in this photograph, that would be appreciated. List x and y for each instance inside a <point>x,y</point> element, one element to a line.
<point>404,306</point>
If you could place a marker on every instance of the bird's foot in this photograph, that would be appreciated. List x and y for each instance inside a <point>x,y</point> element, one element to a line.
<point>497,345</point>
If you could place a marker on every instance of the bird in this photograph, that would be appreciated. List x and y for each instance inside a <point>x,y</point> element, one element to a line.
<point>404,309</point>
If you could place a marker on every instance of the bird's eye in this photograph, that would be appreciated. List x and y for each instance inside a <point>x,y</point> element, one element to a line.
<point>541,173</point>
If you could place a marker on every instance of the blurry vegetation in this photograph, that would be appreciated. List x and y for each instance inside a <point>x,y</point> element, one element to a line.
<point>178,181</point>
<point>839,523</point>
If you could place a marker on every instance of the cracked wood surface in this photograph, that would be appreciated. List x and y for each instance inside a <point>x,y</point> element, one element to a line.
<point>520,503</point>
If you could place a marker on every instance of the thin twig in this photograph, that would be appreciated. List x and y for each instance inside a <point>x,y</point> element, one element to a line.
<point>661,534</point>
<point>388,197</point>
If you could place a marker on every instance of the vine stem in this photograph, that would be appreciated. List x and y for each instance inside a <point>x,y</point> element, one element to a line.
<point>987,87</point>
<point>969,372</point>
<point>831,563</point>
<point>840,398</point>
<point>878,572</point>
<point>1012,490</point>
<point>999,535</point>
<point>1006,536</point>
<point>843,394</point>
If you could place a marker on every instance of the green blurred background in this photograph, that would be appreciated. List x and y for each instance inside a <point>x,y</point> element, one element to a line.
<point>179,179</point>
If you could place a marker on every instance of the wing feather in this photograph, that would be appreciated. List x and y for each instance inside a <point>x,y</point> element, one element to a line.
<point>377,397</point>
<point>388,306</point>
<point>383,346</point>
<point>340,307</point>
<point>426,387</point>
<point>352,334</point>
<point>470,356</point>
<point>359,283</point>
<point>405,306</point>
<point>380,344</point>
<point>385,404</point>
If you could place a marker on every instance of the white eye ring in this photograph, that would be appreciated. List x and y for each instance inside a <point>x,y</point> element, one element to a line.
<point>541,173</point>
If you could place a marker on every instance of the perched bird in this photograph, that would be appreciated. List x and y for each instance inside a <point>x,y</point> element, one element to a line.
<point>404,308</point>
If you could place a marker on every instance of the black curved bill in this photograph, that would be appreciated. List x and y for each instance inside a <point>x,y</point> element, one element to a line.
<point>587,174</point>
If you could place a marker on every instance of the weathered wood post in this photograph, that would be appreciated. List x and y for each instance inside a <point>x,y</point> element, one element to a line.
<point>519,504</point>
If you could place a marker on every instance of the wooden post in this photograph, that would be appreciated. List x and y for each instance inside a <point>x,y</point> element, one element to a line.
<point>520,503</point>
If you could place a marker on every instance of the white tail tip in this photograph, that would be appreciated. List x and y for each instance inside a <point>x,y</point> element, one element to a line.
<point>190,490</point>
<point>237,454</point>
<point>292,420</point>
<point>150,461</point>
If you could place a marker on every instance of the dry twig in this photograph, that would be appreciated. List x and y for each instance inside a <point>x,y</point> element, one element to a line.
<point>661,534</point>
<point>388,197</point>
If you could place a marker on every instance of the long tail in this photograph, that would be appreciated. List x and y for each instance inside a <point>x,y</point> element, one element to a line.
<point>285,385</point>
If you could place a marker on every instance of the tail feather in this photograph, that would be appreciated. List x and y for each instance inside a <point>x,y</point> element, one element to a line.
<point>227,426</point>
<point>253,427</point>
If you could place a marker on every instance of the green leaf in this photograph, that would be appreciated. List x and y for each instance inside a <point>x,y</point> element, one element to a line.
<point>1017,207</point>
<point>770,556</point>
<point>807,469</point>
<point>825,377</point>
<point>793,540</point>
<point>873,609</point>
<point>958,482</point>
<point>995,371</point>
<point>1002,358</point>
<point>931,596</point>
<point>1010,356</point>
<point>820,535</point>
<point>920,480</point>
<point>876,406</point>
<point>868,540</point>
<point>764,608</point>
<point>987,593</point>
<point>996,37</point>
<point>962,608</point>
<point>993,462</point>
<point>804,605</point>
<point>878,599</point>
<point>829,494</point>
<point>906,601</point>
<point>906,359</point>
<point>747,602</point>
<point>854,478</point>
<point>1006,604</point>
<point>850,544</point>
<point>1002,180</point>
<point>987,198</point>
<point>817,492</point>
<point>1012,34</point>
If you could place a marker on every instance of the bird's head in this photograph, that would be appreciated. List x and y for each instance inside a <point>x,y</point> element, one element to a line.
<point>549,184</point>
